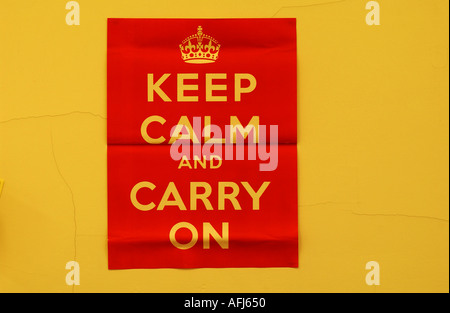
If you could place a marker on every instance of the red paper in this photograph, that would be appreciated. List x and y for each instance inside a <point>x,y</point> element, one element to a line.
<point>261,229</point>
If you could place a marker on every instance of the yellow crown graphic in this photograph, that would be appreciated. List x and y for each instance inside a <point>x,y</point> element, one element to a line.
<point>202,49</point>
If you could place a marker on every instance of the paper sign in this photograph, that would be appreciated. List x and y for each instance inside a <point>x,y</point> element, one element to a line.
<point>202,155</point>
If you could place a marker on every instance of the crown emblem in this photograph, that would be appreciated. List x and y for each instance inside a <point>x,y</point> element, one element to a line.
<point>199,48</point>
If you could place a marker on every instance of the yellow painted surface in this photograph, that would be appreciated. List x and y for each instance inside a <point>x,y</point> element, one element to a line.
<point>373,148</point>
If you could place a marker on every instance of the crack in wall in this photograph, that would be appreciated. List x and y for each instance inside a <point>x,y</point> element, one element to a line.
<point>373,214</point>
<point>307,5</point>
<point>73,203</point>
<point>325,203</point>
<point>51,116</point>
<point>402,215</point>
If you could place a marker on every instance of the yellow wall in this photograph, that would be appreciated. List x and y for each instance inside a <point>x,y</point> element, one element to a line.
<point>373,147</point>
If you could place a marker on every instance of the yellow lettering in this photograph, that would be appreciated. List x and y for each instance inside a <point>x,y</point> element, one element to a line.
<point>133,196</point>
<point>238,89</point>
<point>177,133</point>
<point>231,196</point>
<point>223,240</point>
<point>255,195</point>
<point>151,87</point>
<point>144,126</point>
<point>252,127</point>
<point>171,190</point>
<point>174,230</point>
<point>200,196</point>
<point>181,87</point>
<point>210,87</point>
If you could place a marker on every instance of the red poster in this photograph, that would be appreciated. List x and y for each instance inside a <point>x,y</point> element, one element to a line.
<point>202,132</point>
